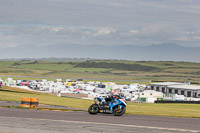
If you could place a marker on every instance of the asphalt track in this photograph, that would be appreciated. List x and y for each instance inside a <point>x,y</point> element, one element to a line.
<point>24,120</point>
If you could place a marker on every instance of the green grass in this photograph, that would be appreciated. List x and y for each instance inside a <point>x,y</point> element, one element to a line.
<point>59,67</point>
<point>112,70</point>
<point>174,110</point>
<point>90,69</point>
<point>6,64</point>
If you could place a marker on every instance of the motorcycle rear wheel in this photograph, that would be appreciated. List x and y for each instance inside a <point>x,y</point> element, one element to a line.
<point>119,112</point>
<point>93,109</point>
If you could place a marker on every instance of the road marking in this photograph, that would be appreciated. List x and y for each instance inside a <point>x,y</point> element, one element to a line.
<point>110,124</point>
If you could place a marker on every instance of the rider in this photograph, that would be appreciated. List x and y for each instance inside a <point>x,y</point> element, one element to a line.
<point>111,97</point>
<point>0,84</point>
<point>107,99</point>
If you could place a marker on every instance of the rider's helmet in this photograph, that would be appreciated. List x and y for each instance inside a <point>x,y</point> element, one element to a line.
<point>106,97</point>
<point>111,94</point>
<point>121,94</point>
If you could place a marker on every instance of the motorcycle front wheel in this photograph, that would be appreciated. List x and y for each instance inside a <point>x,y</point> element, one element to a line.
<point>93,109</point>
<point>118,112</point>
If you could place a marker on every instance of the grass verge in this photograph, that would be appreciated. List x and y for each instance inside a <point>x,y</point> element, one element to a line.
<point>39,108</point>
<point>173,110</point>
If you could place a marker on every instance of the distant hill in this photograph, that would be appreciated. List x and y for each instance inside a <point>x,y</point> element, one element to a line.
<point>162,52</point>
<point>47,59</point>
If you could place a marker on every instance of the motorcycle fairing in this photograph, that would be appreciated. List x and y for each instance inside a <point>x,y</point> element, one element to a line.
<point>116,103</point>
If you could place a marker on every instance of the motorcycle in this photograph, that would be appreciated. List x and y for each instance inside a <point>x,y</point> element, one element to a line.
<point>115,105</point>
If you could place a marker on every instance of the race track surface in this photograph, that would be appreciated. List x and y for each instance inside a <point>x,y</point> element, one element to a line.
<point>24,120</point>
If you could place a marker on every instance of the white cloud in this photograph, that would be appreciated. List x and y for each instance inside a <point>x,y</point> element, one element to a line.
<point>104,31</point>
<point>190,32</point>
<point>134,31</point>
<point>182,38</point>
<point>115,22</point>
<point>56,29</point>
<point>196,37</point>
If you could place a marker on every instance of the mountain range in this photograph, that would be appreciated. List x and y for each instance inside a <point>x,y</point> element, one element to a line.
<point>161,52</point>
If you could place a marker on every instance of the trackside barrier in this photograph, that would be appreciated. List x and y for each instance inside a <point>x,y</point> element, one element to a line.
<point>187,102</point>
<point>34,102</point>
<point>25,102</point>
<point>29,102</point>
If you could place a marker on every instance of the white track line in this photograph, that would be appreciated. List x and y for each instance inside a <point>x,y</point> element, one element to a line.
<point>110,124</point>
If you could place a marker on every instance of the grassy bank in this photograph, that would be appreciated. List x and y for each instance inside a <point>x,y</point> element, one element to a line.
<point>112,70</point>
<point>175,110</point>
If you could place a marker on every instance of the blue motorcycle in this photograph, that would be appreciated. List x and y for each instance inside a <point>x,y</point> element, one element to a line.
<point>113,104</point>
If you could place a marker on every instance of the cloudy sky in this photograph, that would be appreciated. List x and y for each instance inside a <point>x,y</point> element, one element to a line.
<point>104,22</point>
